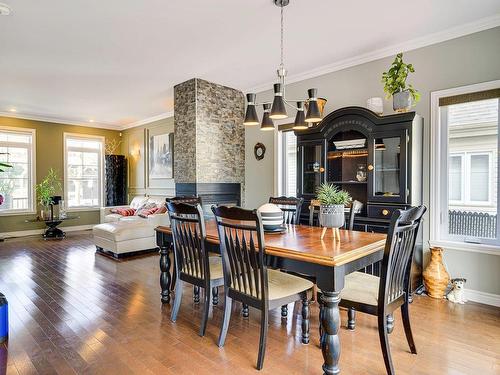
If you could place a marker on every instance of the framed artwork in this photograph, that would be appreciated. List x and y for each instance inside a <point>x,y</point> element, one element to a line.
<point>161,156</point>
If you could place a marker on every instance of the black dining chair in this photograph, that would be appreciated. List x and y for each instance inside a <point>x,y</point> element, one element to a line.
<point>192,261</point>
<point>290,206</point>
<point>381,296</point>
<point>246,277</point>
<point>192,199</point>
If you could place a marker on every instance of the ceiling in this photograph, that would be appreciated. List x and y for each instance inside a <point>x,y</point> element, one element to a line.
<point>115,62</point>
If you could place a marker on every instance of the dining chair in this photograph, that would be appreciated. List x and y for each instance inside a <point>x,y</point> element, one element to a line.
<point>192,261</point>
<point>192,199</point>
<point>246,277</point>
<point>291,207</point>
<point>381,296</point>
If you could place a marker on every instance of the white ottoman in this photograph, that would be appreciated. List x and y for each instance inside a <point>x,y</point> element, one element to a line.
<point>124,237</point>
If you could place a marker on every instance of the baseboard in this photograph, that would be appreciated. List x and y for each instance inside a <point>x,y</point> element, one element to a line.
<point>482,297</point>
<point>34,232</point>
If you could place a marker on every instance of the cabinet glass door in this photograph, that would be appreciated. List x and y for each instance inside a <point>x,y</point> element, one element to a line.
<point>387,168</point>
<point>312,167</point>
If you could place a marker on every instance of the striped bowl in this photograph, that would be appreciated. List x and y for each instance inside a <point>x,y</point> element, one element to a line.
<point>272,216</point>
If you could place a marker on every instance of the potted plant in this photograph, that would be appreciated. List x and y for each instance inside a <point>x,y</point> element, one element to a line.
<point>46,189</point>
<point>332,202</point>
<point>403,96</point>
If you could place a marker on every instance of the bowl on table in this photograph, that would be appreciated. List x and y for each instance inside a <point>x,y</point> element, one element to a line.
<point>272,217</point>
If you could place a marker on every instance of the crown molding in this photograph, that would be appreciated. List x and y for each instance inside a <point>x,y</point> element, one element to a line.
<point>99,125</point>
<point>439,37</point>
<point>148,120</point>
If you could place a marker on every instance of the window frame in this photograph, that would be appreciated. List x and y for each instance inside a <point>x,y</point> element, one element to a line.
<point>32,207</point>
<point>100,183</point>
<point>438,167</point>
<point>283,157</point>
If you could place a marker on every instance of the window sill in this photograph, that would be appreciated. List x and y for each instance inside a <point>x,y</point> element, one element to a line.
<point>18,213</point>
<point>469,247</point>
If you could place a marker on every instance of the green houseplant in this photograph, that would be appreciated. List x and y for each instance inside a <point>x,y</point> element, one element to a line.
<point>47,188</point>
<point>332,202</point>
<point>404,96</point>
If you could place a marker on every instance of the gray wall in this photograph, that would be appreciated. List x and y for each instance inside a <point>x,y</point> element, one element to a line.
<point>135,147</point>
<point>463,61</point>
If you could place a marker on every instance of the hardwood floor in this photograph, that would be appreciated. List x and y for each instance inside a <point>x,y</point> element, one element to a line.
<point>72,311</point>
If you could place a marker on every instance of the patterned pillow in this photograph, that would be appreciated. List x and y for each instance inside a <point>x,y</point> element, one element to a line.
<point>150,211</point>
<point>123,211</point>
<point>145,207</point>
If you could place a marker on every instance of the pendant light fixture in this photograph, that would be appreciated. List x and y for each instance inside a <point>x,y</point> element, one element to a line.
<point>278,109</point>
<point>267,121</point>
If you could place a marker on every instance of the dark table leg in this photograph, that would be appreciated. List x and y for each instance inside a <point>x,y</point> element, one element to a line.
<point>330,323</point>
<point>165,277</point>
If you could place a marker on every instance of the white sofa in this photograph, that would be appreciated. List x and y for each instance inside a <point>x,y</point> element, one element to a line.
<point>154,220</point>
<point>119,235</point>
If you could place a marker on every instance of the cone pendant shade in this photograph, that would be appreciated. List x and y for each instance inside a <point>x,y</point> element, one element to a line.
<point>278,110</point>
<point>300,118</point>
<point>267,122</point>
<point>313,112</point>
<point>251,117</point>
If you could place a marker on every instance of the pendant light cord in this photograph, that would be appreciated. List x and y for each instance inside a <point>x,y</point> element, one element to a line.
<point>282,30</point>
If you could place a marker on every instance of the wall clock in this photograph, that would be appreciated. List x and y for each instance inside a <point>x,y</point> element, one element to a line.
<point>259,151</point>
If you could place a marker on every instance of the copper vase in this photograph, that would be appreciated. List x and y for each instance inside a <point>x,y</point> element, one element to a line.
<point>436,278</point>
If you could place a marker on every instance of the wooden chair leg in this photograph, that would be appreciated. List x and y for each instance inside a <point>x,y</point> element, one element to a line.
<point>206,312</point>
<point>390,323</point>
<point>384,344</point>
<point>196,294</point>
<point>174,277</point>
<point>264,322</point>
<point>305,320</point>
<point>228,302</point>
<point>245,311</point>
<point>215,295</point>
<point>405,314</point>
<point>177,300</point>
<point>284,311</point>
<point>351,318</point>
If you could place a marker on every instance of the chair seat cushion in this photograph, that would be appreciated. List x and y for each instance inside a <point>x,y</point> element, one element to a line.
<point>362,288</point>
<point>283,284</point>
<point>215,263</point>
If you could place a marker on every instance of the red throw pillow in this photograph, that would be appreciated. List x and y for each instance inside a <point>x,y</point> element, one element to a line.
<point>150,211</point>
<point>124,211</point>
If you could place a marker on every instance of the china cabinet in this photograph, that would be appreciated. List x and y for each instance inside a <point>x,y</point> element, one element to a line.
<point>377,159</point>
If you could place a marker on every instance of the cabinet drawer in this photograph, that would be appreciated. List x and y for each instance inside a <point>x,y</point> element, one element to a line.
<point>382,211</point>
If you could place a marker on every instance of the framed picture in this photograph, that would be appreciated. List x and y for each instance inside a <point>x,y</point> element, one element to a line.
<point>161,156</point>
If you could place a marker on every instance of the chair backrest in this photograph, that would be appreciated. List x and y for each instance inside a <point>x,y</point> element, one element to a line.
<point>356,207</point>
<point>189,199</point>
<point>291,208</point>
<point>398,254</point>
<point>313,211</point>
<point>242,248</point>
<point>188,232</point>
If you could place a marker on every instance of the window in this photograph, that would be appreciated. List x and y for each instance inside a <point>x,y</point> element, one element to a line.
<point>16,183</point>
<point>464,167</point>
<point>83,177</point>
<point>288,164</point>
<point>469,179</point>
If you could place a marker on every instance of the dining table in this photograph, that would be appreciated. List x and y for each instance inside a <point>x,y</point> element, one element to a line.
<point>301,249</point>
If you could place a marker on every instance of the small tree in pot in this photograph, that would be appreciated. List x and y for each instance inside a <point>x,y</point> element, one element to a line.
<point>46,190</point>
<point>403,96</point>
<point>332,202</point>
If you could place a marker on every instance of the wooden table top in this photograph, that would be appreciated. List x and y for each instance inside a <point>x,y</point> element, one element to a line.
<point>304,243</point>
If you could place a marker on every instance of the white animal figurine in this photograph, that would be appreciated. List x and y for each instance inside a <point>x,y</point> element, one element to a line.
<point>456,294</point>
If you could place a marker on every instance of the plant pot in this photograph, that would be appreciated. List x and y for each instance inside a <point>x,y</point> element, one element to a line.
<point>402,101</point>
<point>331,216</point>
<point>436,278</point>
